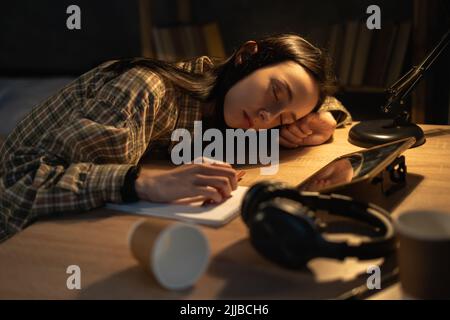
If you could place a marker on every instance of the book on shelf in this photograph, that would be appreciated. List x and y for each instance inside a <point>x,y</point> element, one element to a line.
<point>334,44</point>
<point>186,41</point>
<point>180,39</point>
<point>213,39</point>
<point>361,55</point>
<point>199,39</point>
<point>349,44</point>
<point>384,60</point>
<point>398,56</point>
<point>364,58</point>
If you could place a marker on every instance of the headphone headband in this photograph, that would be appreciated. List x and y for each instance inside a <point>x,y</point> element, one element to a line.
<point>262,197</point>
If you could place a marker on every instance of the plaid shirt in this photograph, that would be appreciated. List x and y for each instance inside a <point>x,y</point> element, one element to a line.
<point>72,152</point>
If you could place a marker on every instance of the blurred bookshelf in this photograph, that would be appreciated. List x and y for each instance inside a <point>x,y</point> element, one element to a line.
<point>180,39</point>
<point>366,62</point>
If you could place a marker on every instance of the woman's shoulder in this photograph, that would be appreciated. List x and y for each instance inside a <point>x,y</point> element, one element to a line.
<point>199,64</point>
<point>136,79</point>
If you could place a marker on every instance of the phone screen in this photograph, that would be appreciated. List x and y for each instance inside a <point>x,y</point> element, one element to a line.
<point>347,168</point>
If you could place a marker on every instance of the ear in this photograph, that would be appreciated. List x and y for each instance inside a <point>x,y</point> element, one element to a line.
<point>247,49</point>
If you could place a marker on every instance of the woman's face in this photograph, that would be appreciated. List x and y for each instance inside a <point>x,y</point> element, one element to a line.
<point>271,96</point>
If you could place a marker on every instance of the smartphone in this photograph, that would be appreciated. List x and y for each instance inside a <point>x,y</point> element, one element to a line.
<point>355,167</point>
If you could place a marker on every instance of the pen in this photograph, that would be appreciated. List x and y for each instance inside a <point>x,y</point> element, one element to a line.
<point>363,292</point>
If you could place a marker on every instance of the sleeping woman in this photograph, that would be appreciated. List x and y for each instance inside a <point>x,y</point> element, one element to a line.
<point>81,147</point>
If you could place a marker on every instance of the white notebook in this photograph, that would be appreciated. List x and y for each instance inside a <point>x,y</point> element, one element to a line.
<point>211,214</point>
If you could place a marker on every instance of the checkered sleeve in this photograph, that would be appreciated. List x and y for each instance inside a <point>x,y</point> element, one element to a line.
<point>81,161</point>
<point>337,109</point>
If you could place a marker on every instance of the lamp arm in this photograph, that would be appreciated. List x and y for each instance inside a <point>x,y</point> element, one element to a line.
<point>403,87</point>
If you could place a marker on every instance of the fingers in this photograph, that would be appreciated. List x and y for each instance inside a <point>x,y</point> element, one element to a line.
<point>222,184</point>
<point>315,139</point>
<point>304,127</point>
<point>313,129</point>
<point>285,143</point>
<point>296,131</point>
<point>294,135</point>
<point>218,171</point>
<point>207,160</point>
<point>289,136</point>
<point>327,117</point>
<point>222,164</point>
<point>209,193</point>
<point>209,200</point>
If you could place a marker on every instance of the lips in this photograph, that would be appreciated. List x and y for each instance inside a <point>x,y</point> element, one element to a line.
<point>249,122</point>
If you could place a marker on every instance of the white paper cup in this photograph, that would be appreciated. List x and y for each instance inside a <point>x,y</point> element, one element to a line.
<point>175,254</point>
<point>424,254</point>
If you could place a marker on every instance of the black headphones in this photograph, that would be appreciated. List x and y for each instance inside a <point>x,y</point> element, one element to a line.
<point>283,226</point>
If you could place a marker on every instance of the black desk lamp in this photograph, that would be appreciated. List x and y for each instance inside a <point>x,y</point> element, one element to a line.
<point>376,132</point>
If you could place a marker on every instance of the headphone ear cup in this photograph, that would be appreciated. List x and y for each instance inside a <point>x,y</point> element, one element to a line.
<point>255,195</point>
<point>281,236</point>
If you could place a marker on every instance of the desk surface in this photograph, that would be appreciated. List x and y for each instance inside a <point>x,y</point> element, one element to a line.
<point>34,262</point>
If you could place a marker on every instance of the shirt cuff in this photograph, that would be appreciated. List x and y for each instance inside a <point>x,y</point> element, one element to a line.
<point>337,109</point>
<point>106,181</point>
<point>128,190</point>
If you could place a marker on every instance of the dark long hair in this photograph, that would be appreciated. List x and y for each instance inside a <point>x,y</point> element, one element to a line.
<point>212,85</point>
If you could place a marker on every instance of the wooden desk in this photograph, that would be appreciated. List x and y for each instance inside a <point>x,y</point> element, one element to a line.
<point>33,263</point>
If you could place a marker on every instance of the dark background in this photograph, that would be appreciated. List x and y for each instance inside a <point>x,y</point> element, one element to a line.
<point>34,37</point>
<point>34,40</point>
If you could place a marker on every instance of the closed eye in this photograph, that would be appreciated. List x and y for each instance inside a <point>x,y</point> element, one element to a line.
<point>274,91</point>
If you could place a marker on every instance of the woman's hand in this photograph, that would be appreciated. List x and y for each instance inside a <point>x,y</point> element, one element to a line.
<point>206,181</point>
<point>313,129</point>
